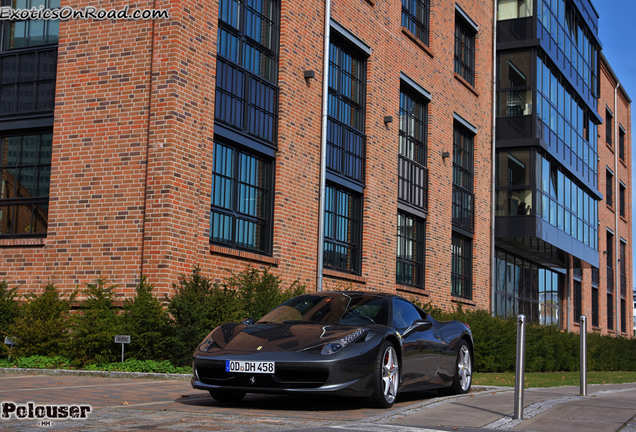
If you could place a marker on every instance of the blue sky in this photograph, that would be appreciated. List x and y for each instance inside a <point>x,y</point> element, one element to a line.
<point>617,31</point>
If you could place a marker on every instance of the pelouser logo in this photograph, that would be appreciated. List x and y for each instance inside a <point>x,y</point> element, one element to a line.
<point>30,410</point>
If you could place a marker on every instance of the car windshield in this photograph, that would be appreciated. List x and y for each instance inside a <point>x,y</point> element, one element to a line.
<point>352,309</point>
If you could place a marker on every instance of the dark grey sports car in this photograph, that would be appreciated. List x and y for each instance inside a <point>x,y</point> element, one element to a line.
<point>347,343</point>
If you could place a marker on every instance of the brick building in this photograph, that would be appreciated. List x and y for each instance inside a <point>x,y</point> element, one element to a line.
<point>151,146</point>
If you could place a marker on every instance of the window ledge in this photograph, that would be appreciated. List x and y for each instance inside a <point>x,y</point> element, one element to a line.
<point>343,275</point>
<point>371,2</point>
<point>23,242</point>
<point>419,43</point>
<point>623,162</point>
<point>466,84</point>
<point>463,301</point>
<point>411,289</point>
<point>624,219</point>
<point>250,256</point>
<point>610,208</point>
<point>609,147</point>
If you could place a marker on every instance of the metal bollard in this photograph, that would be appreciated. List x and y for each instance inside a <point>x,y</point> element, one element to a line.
<point>519,374</point>
<point>583,361</point>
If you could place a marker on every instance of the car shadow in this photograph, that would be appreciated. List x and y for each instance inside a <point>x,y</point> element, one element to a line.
<point>302,402</point>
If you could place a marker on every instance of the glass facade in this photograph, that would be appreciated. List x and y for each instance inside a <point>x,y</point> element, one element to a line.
<point>559,21</point>
<point>564,204</point>
<point>522,287</point>
<point>561,113</point>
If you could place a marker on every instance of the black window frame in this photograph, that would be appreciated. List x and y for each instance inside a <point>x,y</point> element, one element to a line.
<point>246,100</point>
<point>577,303</point>
<point>595,297</point>
<point>462,266</point>
<point>609,188</point>
<point>621,142</point>
<point>621,199</point>
<point>609,117</point>
<point>6,26</point>
<point>333,226</point>
<point>463,215</point>
<point>403,263</point>
<point>623,267</point>
<point>609,256</point>
<point>233,212</point>
<point>610,311</point>
<point>37,204</point>
<point>413,165</point>
<point>465,39</point>
<point>417,23</point>
<point>346,140</point>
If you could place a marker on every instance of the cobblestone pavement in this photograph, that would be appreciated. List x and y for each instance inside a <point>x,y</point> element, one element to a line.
<point>145,404</point>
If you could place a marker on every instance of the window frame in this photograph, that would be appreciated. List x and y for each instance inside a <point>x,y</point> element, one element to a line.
<point>465,51</point>
<point>266,221</point>
<point>462,281</point>
<point>463,201</point>
<point>15,202</point>
<point>332,227</point>
<point>419,241</point>
<point>412,22</point>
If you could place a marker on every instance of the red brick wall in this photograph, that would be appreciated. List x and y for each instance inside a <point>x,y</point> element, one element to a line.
<point>108,206</point>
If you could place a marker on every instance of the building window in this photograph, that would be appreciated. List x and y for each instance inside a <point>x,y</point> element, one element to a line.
<point>621,198</point>
<point>609,189</point>
<point>242,185</point>
<point>595,307</point>
<point>412,169</point>
<point>577,297</point>
<point>247,67</point>
<point>464,49</point>
<point>415,17</point>
<point>463,197</point>
<point>410,250</point>
<point>461,266</point>
<point>608,127</point>
<point>623,268</point>
<point>22,34</point>
<point>512,9</point>
<point>345,125</point>
<point>609,256</point>
<point>623,319</point>
<point>514,84</point>
<point>621,143</point>
<point>514,194</point>
<point>610,312</point>
<point>522,287</point>
<point>342,229</point>
<point>25,176</point>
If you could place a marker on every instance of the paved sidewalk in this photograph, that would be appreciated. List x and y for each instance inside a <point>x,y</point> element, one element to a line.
<point>172,405</point>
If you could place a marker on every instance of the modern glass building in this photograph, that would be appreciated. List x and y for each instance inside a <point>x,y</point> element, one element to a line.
<point>547,188</point>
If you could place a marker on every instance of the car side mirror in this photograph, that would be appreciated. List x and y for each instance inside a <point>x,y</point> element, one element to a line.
<point>418,325</point>
<point>248,321</point>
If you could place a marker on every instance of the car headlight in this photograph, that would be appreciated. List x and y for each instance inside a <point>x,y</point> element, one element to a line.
<point>334,347</point>
<point>207,344</point>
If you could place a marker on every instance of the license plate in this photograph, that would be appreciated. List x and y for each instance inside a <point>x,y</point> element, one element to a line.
<point>249,366</point>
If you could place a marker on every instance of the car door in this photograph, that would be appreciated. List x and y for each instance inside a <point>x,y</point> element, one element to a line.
<point>420,356</point>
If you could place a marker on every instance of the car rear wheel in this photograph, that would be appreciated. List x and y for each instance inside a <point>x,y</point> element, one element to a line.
<point>386,377</point>
<point>463,370</point>
<point>227,396</point>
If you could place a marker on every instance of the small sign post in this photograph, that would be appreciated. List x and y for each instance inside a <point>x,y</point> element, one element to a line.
<point>11,342</point>
<point>122,339</point>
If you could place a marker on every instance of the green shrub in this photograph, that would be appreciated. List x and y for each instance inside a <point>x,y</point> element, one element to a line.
<point>145,366</point>
<point>42,324</point>
<point>147,322</point>
<point>8,313</point>
<point>94,328</point>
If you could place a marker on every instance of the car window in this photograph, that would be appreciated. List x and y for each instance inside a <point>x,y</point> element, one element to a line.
<point>404,314</point>
<point>341,309</point>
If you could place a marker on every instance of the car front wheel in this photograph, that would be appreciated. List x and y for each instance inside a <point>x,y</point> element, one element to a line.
<point>386,376</point>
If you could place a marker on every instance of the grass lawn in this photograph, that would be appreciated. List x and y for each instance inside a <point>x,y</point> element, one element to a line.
<point>553,379</point>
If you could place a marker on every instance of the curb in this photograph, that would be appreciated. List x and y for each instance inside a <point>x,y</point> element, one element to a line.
<point>98,374</point>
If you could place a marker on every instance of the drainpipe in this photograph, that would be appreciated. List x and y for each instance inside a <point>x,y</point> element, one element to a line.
<point>493,261</point>
<point>323,149</point>
<point>616,204</point>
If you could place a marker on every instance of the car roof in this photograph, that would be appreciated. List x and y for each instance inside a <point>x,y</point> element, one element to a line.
<point>368,293</point>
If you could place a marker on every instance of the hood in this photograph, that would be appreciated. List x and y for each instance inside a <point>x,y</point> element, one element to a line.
<point>278,337</point>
